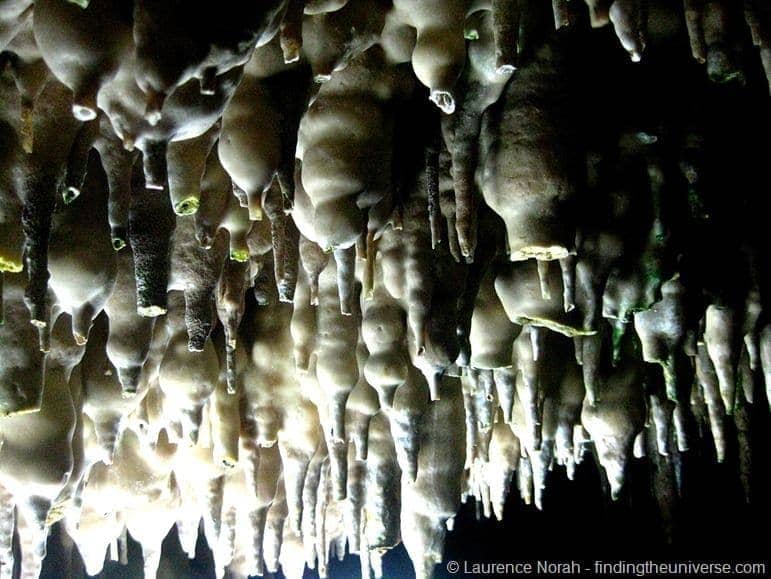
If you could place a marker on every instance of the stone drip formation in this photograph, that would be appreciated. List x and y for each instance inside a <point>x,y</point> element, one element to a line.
<point>313,272</point>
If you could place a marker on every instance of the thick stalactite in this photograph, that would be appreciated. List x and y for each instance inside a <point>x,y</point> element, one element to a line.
<point>310,277</point>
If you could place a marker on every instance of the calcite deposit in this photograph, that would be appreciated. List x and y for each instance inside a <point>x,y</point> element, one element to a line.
<point>302,276</point>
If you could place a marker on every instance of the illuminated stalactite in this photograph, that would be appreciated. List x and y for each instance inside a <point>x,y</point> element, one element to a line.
<point>313,273</point>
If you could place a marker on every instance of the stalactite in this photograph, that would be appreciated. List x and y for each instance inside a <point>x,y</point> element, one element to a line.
<point>306,277</point>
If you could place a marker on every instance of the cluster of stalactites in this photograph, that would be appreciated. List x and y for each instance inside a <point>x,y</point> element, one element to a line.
<point>253,281</point>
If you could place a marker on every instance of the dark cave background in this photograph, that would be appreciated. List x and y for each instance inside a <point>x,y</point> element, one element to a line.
<point>666,94</point>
